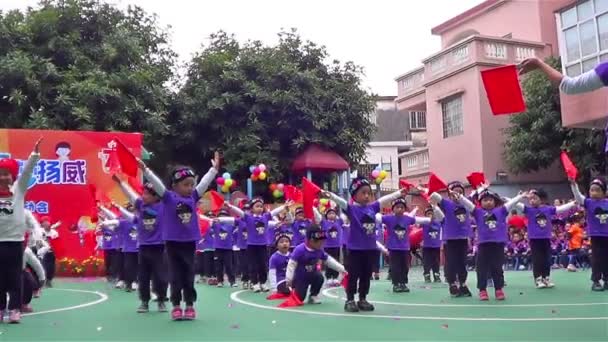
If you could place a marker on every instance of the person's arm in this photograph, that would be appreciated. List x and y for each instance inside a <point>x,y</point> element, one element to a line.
<point>414,211</point>
<point>291,269</point>
<point>564,208</point>
<point>422,220</point>
<point>578,196</point>
<point>381,247</point>
<point>235,210</point>
<point>438,214</point>
<point>203,185</point>
<point>129,216</point>
<point>156,182</point>
<point>30,259</point>
<point>23,180</point>
<point>127,190</point>
<point>276,211</point>
<point>435,197</point>
<point>272,276</point>
<point>514,201</point>
<point>318,216</point>
<point>468,205</point>
<point>334,265</point>
<point>535,63</point>
<point>341,202</point>
<point>56,225</point>
<point>520,207</point>
<point>226,220</point>
<point>385,200</point>
<point>108,213</point>
<point>110,224</point>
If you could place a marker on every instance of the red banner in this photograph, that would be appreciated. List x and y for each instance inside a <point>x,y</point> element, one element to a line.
<point>59,188</point>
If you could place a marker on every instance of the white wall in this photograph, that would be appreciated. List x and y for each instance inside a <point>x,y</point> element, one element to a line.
<point>385,154</point>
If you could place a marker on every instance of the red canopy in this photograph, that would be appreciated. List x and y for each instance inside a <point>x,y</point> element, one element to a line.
<point>318,159</point>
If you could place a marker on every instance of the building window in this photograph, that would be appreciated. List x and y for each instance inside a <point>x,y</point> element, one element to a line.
<point>584,34</point>
<point>451,111</point>
<point>417,120</point>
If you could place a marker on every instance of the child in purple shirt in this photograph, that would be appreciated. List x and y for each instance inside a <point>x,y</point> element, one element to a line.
<point>431,246</point>
<point>277,265</point>
<point>223,243</point>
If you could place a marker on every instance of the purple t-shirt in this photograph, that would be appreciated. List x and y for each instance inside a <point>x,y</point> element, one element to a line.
<point>241,241</point>
<point>109,238</point>
<point>431,235</point>
<point>398,228</point>
<point>307,260</point>
<point>128,230</point>
<point>299,228</point>
<point>224,235</point>
<point>206,241</point>
<point>149,216</point>
<point>363,228</point>
<point>179,221</point>
<point>539,221</point>
<point>279,262</point>
<point>597,216</point>
<point>283,229</point>
<point>333,229</point>
<point>491,224</point>
<point>457,223</point>
<point>256,228</point>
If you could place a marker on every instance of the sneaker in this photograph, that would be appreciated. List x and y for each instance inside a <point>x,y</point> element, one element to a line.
<point>129,289</point>
<point>177,314</point>
<point>220,284</point>
<point>153,297</point>
<point>404,288</point>
<point>364,305</point>
<point>396,289</point>
<point>437,278</point>
<point>134,286</point>
<point>264,288</point>
<point>256,288</point>
<point>500,294</point>
<point>143,308</point>
<point>190,313</point>
<point>162,307</point>
<point>234,285</point>
<point>483,295</point>
<point>571,268</point>
<point>548,283</point>
<point>454,292</point>
<point>389,277</point>
<point>119,285</point>
<point>464,291</point>
<point>26,308</point>
<point>245,285</point>
<point>427,278</point>
<point>37,293</point>
<point>14,316</point>
<point>201,280</point>
<point>597,286</point>
<point>314,300</point>
<point>376,276</point>
<point>522,267</point>
<point>350,306</point>
<point>49,283</point>
<point>212,282</point>
<point>540,283</point>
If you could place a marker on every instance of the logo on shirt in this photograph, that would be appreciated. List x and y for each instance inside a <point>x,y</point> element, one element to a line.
<point>600,214</point>
<point>310,268</point>
<point>369,224</point>
<point>260,227</point>
<point>460,214</point>
<point>223,235</point>
<point>333,233</point>
<point>184,212</point>
<point>108,238</point>
<point>6,208</point>
<point>149,219</point>
<point>541,220</point>
<point>244,235</point>
<point>133,233</point>
<point>400,232</point>
<point>491,221</point>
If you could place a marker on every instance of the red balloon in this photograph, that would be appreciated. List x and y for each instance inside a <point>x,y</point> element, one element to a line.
<point>233,184</point>
<point>415,237</point>
<point>273,187</point>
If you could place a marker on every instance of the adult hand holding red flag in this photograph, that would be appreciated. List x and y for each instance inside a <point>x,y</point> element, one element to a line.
<point>569,167</point>
<point>309,191</point>
<point>128,162</point>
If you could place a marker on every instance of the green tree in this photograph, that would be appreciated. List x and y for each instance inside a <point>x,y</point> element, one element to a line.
<point>85,65</point>
<point>536,138</point>
<point>266,104</point>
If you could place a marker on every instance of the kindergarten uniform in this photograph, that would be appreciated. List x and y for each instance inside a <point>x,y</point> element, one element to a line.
<point>398,244</point>
<point>431,248</point>
<point>277,272</point>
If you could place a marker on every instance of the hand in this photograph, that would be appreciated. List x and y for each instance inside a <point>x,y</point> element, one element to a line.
<point>141,164</point>
<point>289,203</point>
<point>528,65</point>
<point>289,283</point>
<point>37,145</point>
<point>404,191</point>
<point>386,253</point>
<point>455,194</point>
<point>525,194</point>
<point>325,194</point>
<point>421,189</point>
<point>115,178</point>
<point>216,162</point>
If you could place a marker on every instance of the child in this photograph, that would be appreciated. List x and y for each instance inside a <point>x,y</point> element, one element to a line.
<point>574,235</point>
<point>205,252</point>
<point>431,246</point>
<point>540,216</point>
<point>583,83</point>
<point>398,242</point>
<point>596,208</point>
<point>362,243</point>
<point>222,244</point>
<point>258,222</point>
<point>13,228</point>
<point>278,265</point>
<point>30,284</point>
<point>241,243</point>
<point>181,230</point>
<point>48,259</point>
<point>491,221</point>
<point>109,247</point>
<point>302,272</point>
<point>332,226</point>
<point>151,263</point>
<point>456,231</point>
<point>299,227</point>
<point>127,229</point>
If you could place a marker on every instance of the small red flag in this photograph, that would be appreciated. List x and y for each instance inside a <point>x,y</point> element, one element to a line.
<point>217,201</point>
<point>403,184</point>
<point>476,179</point>
<point>136,185</point>
<point>503,90</point>
<point>293,194</point>
<point>203,223</point>
<point>277,295</point>
<point>128,162</point>
<point>291,301</point>
<point>436,184</point>
<point>569,167</point>
<point>344,282</point>
<point>310,191</point>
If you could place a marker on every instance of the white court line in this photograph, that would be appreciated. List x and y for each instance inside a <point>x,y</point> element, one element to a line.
<point>327,293</point>
<point>102,298</point>
<point>234,296</point>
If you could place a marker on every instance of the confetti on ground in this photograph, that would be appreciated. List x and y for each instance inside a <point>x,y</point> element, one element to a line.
<point>553,311</point>
<point>230,305</point>
<point>444,326</point>
<point>397,318</point>
<point>521,293</point>
<point>234,326</point>
<point>274,322</point>
<point>99,328</point>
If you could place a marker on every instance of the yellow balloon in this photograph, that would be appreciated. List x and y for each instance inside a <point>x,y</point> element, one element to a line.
<point>262,176</point>
<point>383,174</point>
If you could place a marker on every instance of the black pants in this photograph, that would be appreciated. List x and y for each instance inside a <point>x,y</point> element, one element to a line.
<point>431,260</point>
<point>48,263</point>
<point>181,271</point>
<point>376,264</point>
<point>129,267</point>
<point>599,258</point>
<point>243,264</point>
<point>334,252</point>
<point>109,256</point>
<point>120,264</point>
<point>344,256</point>
<point>152,267</point>
<point>283,288</point>
<point>223,264</point>
<point>490,258</point>
<point>258,264</point>
<point>204,264</point>
<point>541,257</point>
<point>11,273</point>
<point>400,267</point>
<point>314,280</point>
<point>360,268</point>
<point>456,258</point>
<point>29,285</point>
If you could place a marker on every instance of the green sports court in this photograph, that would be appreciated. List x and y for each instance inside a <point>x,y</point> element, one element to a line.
<point>92,310</point>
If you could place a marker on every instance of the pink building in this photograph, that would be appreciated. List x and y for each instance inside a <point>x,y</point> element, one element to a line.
<point>462,135</point>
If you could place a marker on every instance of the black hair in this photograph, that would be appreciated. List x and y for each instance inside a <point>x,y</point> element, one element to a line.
<point>63,144</point>
<point>541,193</point>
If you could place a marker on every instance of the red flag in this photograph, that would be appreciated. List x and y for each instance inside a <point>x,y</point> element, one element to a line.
<point>344,282</point>
<point>415,237</point>
<point>203,223</point>
<point>436,184</point>
<point>503,90</point>
<point>291,301</point>
<point>136,185</point>
<point>476,179</point>
<point>293,194</point>
<point>217,201</point>
<point>128,162</point>
<point>310,191</point>
<point>277,295</point>
<point>403,184</point>
<point>113,164</point>
<point>569,166</point>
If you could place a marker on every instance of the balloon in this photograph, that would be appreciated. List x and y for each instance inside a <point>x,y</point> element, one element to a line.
<point>315,202</point>
<point>383,174</point>
<point>262,167</point>
<point>256,171</point>
<point>273,187</point>
<point>220,181</point>
<point>228,183</point>
<point>226,175</point>
<point>233,184</point>
<point>378,180</point>
<point>281,187</point>
<point>375,174</point>
<point>251,168</point>
<point>262,176</point>
<point>254,178</point>
<point>225,188</point>
<point>276,194</point>
<point>324,201</point>
<point>415,237</point>
<point>378,168</point>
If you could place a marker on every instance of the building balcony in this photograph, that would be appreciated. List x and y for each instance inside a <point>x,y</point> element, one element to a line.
<point>470,52</point>
<point>414,163</point>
